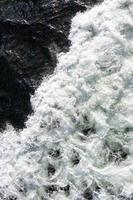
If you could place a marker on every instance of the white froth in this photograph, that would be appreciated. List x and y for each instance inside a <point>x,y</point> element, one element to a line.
<point>84,109</point>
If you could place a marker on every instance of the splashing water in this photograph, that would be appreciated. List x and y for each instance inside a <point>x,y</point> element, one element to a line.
<point>79,142</point>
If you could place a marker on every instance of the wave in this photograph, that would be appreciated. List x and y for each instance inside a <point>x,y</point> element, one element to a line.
<point>78,144</point>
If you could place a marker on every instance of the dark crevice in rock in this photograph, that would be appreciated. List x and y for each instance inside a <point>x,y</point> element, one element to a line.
<point>32,33</point>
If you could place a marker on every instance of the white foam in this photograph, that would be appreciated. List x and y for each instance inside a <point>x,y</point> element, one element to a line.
<point>91,89</point>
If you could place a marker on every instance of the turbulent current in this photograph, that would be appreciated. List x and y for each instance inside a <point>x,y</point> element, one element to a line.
<point>78,144</point>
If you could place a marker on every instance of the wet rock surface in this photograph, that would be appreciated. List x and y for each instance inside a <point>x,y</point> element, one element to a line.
<point>32,33</point>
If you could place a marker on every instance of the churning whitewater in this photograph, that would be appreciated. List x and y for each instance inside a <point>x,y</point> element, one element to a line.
<point>78,144</point>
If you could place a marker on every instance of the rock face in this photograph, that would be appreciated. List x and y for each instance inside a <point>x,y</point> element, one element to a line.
<point>31,33</point>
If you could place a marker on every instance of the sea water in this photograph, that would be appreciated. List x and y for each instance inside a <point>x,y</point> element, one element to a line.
<point>78,144</point>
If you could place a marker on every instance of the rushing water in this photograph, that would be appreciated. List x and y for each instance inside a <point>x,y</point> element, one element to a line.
<point>79,142</point>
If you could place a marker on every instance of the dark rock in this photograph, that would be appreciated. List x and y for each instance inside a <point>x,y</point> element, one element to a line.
<point>32,33</point>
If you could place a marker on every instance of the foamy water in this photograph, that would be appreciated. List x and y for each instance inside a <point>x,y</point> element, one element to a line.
<point>79,142</point>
